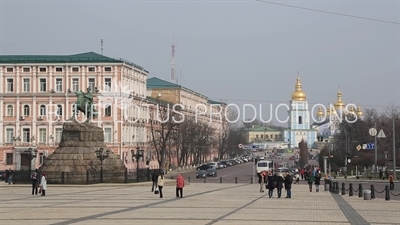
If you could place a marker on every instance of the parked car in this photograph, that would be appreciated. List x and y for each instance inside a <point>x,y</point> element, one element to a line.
<point>2,175</point>
<point>212,172</point>
<point>203,167</point>
<point>201,173</point>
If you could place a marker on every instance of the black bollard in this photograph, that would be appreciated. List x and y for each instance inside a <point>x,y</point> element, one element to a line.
<point>343,189</point>
<point>360,190</point>
<point>62,177</point>
<point>387,193</point>
<point>235,180</point>
<point>205,179</point>
<point>330,186</point>
<point>220,180</point>
<point>337,187</point>
<point>126,176</point>
<point>350,189</point>
<point>372,191</point>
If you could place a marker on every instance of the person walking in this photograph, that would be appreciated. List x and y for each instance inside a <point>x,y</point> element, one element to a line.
<point>160,183</point>
<point>261,180</point>
<point>43,184</point>
<point>35,184</point>
<point>154,177</point>
<point>9,176</point>
<point>180,184</point>
<point>310,179</point>
<point>317,181</point>
<point>270,185</point>
<point>391,181</point>
<point>279,184</point>
<point>288,185</point>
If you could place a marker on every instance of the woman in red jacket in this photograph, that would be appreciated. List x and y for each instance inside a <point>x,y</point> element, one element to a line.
<point>180,183</point>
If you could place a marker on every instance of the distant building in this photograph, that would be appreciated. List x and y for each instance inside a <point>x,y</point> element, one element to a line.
<point>261,134</point>
<point>299,127</point>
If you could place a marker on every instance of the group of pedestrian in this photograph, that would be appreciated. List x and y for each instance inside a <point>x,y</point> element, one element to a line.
<point>39,183</point>
<point>275,181</point>
<point>158,184</point>
<point>314,177</point>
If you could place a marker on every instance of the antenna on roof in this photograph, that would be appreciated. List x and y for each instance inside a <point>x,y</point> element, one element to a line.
<point>180,74</point>
<point>173,59</point>
<point>101,43</point>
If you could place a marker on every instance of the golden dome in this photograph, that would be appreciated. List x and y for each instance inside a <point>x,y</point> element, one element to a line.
<point>351,110</point>
<point>320,113</point>
<point>359,112</point>
<point>339,103</point>
<point>298,94</point>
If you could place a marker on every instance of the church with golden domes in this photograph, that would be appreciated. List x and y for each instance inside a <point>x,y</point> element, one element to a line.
<point>328,118</point>
<point>299,125</point>
<point>323,125</point>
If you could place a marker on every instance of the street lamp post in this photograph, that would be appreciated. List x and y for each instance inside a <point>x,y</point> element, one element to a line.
<point>30,155</point>
<point>137,156</point>
<point>101,155</point>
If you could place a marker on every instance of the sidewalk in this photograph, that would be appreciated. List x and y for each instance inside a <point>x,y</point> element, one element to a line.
<point>203,204</point>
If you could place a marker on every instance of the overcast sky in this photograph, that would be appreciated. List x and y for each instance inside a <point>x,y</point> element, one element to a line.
<point>239,51</point>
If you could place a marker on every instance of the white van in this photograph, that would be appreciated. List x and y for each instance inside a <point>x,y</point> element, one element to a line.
<point>264,165</point>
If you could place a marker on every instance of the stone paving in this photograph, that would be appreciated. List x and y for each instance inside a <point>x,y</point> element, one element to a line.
<point>203,204</point>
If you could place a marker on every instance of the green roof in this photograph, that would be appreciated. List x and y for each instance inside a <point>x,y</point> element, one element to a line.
<point>88,57</point>
<point>215,102</point>
<point>157,83</point>
<point>258,128</point>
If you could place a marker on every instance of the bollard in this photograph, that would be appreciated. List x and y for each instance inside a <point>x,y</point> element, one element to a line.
<point>205,179</point>
<point>337,188</point>
<point>172,177</point>
<point>360,190</point>
<point>62,177</point>
<point>330,186</point>
<point>235,180</point>
<point>87,177</point>
<point>189,179</point>
<point>251,180</point>
<point>220,180</point>
<point>372,191</point>
<point>387,194</point>
<point>343,189</point>
<point>350,189</point>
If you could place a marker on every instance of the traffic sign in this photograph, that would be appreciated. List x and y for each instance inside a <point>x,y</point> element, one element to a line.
<point>255,146</point>
<point>381,134</point>
<point>349,160</point>
<point>240,146</point>
<point>372,131</point>
<point>246,147</point>
<point>358,147</point>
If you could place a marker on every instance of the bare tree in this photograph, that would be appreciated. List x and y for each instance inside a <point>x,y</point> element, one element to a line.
<point>164,119</point>
<point>303,153</point>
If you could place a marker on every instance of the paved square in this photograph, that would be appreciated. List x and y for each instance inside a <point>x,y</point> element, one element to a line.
<point>203,204</point>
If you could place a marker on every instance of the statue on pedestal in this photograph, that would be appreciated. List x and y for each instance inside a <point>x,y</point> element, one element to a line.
<point>84,104</point>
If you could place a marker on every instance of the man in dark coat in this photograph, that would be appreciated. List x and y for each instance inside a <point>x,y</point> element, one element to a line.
<point>154,179</point>
<point>288,185</point>
<point>279,184</point>
<point>271,184</point>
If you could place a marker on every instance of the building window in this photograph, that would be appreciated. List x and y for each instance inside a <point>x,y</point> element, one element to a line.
<point>42,135</point>
<point>59,110</point>
<point>41,158</point>
<point>26,69</point>
<point>75,84</point>
<point>42,110</point>
<point>75,69</point>
<point>42,83</point>
<point>42,69</point>
<point>9,158</point>
<point>256,135</point>
<point>27,85</point>
<point>26,110</point>
<point>26,132</point>
<point>107,84</point>
<point>107,135</point>
<point>92,83</point>
<point>262,136</point>
<point>59,69</point>
<point>10,70</point>
<point>107,69</point>
<point>10,110</point>
<point>10,135</point>
<point>92,69</point>
<point>58,135</point>
<point>300,120</point>
<point>107,111</point>
<point>59,84</point>
<point>10,85</point>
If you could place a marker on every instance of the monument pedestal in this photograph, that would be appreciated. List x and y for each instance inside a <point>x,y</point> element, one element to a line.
<point>75,160</point>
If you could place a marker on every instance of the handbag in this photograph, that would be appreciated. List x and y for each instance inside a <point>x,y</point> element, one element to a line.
<point>156,191</point>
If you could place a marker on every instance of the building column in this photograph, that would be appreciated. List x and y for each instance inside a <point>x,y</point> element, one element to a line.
<point>17,160</point>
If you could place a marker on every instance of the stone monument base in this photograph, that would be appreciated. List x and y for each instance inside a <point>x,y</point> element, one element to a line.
<point>75,160</point>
